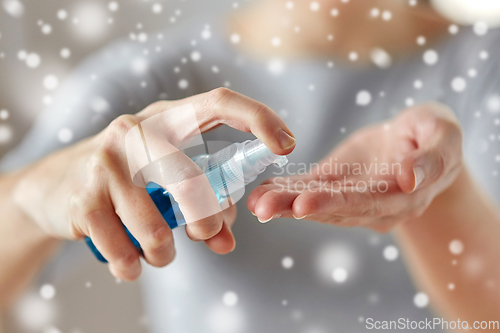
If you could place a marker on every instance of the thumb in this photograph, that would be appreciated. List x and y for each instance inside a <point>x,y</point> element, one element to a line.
<point>420,169</point>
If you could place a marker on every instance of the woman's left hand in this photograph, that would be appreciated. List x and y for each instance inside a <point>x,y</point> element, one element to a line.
<point>378,177</point>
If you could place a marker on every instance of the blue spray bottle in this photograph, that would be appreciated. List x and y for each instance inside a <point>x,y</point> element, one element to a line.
<point>229,170</point>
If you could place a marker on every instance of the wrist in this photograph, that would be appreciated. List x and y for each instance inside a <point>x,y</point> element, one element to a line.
<point>22,212</point>
<point>449,205</point>
<point>455,194</point>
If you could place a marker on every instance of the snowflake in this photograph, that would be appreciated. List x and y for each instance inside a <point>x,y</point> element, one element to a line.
<point>381,58</point>
<point>314,6</point>
<point>65,53</point>
<point>353,56</point>
<point>391,253</point>
<point>480,28</point>
<point>453,29</point>
<point>33,60</point>
<point>287,262</point>
<point>363,98</point>
<point>230,299</point>
<point>50,82</point>
<point>235,38</point>
<point>113,6</point>
<point>458,84</point>
<point>456,247</point>
<point>65,135</point>
<point>339,275</point>
<point>47,291</point>
<point>430,57</point>
<point>421,300</point>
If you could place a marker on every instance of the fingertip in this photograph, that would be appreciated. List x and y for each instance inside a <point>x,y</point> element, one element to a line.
<point>276,202</point>
<point>251,201</point>
<point>286,141</point>
<point>206,228</point>
<point>256,194</point>
<point>253,198</point>
<point>309,202</point>
<point>129,274</point>
<point>223,242</point>
<point>280,141</point>
<point>300,208</point>
<point>160,257</point>
<point>266,209</point>
<point>406,182</point>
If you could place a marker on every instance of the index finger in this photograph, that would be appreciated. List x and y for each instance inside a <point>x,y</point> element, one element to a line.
<point>224,106</point>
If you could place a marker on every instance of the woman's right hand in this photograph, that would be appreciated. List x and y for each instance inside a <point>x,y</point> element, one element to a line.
<point>87,189</point>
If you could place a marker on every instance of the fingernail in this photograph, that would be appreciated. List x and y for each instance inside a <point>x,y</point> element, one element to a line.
<point>253,213</point>
<point>300,218</point>
<point>272,217</point>
<point>286,140</point>
<point>418,172</point>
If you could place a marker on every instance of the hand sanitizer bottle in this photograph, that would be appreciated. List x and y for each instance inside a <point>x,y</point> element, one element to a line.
<point>229,170</point>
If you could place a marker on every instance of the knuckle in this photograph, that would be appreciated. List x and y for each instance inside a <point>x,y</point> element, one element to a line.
<point>99,163</point>
<point>160,238</point>
<point>86,215</point>
<point>207,230</point>
<point>92,217</point>
<point>188,171</point>
<point>78,205</point>
<point>156,106</point>
<point>208,227</point>
<point>153,109</point>
<point>75,203</point>
<point>213,225</point>
<point>118,129</point>
<point>218,95</point>
<point>126,259</point>
<point>186,185</point>
<point>215,99</point>
<point>123,123</point>
<point>261,113</point>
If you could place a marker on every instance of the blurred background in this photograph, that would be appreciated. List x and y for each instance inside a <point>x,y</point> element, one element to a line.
<point>41,41</point>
